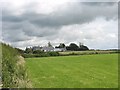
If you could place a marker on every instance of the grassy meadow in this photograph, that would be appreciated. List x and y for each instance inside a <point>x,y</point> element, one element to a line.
<point>86,71</point>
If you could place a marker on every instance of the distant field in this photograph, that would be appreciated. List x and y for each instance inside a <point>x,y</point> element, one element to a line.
<point>87,52</point>
<point>89,71</point>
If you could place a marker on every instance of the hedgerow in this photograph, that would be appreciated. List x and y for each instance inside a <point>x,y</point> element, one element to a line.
<point>13,72</point>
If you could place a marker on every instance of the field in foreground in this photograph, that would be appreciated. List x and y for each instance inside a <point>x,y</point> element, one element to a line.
<point>89,71</point>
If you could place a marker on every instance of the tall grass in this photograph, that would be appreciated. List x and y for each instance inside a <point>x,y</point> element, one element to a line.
<point>13,72</point>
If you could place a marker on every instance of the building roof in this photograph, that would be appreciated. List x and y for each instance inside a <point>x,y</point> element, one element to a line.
<point>45,48</point>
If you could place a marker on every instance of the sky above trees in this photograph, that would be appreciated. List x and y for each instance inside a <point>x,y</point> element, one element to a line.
<point>36,22</point>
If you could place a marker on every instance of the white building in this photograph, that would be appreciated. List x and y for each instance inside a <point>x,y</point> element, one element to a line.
<point>59,49</point>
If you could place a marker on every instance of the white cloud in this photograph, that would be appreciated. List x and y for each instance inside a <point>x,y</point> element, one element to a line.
<point>99,34</point>
<point>39,6</point>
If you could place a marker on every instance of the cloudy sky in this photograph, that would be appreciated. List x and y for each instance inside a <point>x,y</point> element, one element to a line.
<point>36,22</point>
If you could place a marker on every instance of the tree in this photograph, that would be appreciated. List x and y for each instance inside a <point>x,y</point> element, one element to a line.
<point>49,44</point>
<point>83,48</point>
<point>28,50</point>
<point>20,50</point>
<point>37,52</point>
<point>80,44</point>
<point>62,45</point>
<point>72,47</point>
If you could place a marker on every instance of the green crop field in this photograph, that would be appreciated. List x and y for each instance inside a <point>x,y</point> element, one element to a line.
<point>86,71</point>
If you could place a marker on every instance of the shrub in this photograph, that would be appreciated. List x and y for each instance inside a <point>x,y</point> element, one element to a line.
<point>73,53</point>
<point>42,54</point>
<point>38,52</point>
<point>53,53</point>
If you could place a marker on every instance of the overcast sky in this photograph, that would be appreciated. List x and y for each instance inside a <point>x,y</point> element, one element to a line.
<point>37,22</point>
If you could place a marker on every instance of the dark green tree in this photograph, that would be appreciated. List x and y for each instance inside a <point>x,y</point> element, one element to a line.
<point>28,50</point>
<point>49,44</point>
<point>73,47</point>
<point>83,48</point>
<point>38,52</point>
<point>62,45</point>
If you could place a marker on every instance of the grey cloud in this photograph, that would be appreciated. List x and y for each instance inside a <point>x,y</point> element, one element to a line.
<point>11,18</point>
<point>107,3</point>
<point>14,36</point>
<point>7,16</point>
<point>22,31</point>
<point>29,24</point>
<point>119,10</point>
<point>75,14</point>
<point>99,0</point>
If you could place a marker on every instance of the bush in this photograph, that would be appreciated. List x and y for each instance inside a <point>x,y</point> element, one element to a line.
<point>53,53</point>
<point>43,54</point>
<point>74,53</point>
<point>38,52</point>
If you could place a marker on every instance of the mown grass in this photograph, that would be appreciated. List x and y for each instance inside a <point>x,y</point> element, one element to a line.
<point>89,71</point>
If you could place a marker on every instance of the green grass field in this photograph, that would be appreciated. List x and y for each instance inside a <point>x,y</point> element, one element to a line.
<point>86,71</point>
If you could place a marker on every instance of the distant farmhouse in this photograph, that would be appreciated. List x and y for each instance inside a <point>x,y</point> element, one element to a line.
<point>48,48</point>
<point>60,48</point>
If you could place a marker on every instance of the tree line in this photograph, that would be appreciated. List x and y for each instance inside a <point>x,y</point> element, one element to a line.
<point>73,47</point>
<point>70,47</point>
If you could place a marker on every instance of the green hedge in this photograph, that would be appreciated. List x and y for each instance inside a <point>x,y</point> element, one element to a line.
<point>43,54</point>
<point>13,74</point>
<point>48,54</point>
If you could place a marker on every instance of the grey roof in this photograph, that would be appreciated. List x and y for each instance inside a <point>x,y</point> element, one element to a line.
<point>45,48</point>
<point>36,48</point>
